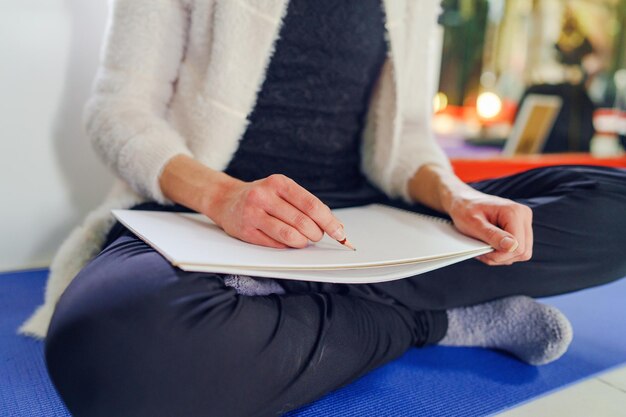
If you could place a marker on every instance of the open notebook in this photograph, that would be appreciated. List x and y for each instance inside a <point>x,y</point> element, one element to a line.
<point>391,244</point>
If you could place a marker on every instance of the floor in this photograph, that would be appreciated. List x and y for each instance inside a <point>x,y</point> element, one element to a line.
<point>602,396</point>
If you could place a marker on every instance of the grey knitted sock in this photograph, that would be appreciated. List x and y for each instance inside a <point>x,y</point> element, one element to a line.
<point>536,333</point>
<point>246,285</point>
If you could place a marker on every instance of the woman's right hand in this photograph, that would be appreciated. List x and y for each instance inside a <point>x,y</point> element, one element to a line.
<point>275,212</point>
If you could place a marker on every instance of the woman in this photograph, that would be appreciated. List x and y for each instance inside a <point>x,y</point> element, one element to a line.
<point>264,115</point>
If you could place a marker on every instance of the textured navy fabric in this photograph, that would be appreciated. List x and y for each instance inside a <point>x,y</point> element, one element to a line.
<point>470,382</point>
<point>133,335</point>
<point>476,382</point>
<point>310,111</point>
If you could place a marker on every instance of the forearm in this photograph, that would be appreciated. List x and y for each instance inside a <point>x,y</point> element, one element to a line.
<point>192,184</point>
<point>437,187</point>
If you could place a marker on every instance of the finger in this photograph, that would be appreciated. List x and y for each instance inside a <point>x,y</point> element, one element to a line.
<point>284,211</point>
<point>501,240</point>
<point>282,232</point>
<point>310,205</point>
<point>493,260</point>
<point>490,261</point>
<point>514,220</point>
<point>530,240</point>
<point>504,243</point>
<point>257,237</point>
<point>500,258</point>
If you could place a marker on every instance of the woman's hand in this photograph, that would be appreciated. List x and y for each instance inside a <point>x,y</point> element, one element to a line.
<point>502,223</point>
<point>276,212</point>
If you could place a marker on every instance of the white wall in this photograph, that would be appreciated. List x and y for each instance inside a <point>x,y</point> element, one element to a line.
<point>49,176</point>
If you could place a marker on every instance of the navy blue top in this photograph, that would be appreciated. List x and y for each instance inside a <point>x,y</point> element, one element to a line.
<point>310,112</point>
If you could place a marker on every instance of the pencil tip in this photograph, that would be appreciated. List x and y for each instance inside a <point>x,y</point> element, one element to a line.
<point>348,244</point>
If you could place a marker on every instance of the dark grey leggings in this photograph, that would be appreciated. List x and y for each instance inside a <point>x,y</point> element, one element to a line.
<point>133,336</point>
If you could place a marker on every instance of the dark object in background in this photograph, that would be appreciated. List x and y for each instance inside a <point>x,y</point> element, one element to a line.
<point>573,44</point>
<point>573,129</point>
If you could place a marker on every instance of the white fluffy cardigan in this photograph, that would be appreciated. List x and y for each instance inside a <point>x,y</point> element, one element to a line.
<point>181,77</point>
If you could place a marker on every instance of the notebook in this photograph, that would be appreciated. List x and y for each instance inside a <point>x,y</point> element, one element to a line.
<point>391,244</point>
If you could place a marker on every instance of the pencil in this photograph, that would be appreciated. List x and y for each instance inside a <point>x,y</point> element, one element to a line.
<point>346,243</point>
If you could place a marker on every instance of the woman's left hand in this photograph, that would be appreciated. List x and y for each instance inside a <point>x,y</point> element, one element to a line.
<point>502,223</point>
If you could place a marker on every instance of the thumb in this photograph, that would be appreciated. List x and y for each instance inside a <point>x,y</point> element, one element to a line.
<point>498,238</point>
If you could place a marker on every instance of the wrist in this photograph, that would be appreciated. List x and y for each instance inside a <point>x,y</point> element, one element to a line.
<point>446,195</point>
<point>436,187</point>
<point>192,184</point>
<point>213,194</point>
<point>452,193</point>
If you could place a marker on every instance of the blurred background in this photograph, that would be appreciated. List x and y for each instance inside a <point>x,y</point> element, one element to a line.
<point>498,52</point>
<point>498,56</point>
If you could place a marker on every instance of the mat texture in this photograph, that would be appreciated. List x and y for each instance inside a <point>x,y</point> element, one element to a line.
<point>434,381</point>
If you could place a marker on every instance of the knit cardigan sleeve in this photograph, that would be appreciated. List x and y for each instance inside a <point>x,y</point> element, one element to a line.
<point>125,117</point>
<point>418,145</point>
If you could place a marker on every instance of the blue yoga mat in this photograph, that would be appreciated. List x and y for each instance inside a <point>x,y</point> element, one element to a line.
<point>435,381</point>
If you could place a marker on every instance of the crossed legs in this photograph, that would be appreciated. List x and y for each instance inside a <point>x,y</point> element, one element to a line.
<point>133,336</point>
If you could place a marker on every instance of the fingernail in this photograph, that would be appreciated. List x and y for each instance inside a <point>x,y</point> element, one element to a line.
<point>338,234</point>
<point>508,244</point>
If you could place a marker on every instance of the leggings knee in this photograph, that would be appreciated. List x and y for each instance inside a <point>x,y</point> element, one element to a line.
<point>124,349</point>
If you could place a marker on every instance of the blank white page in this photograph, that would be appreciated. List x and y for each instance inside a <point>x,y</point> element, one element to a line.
<point>382,235</point>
